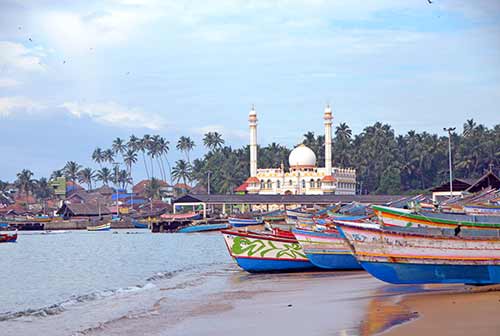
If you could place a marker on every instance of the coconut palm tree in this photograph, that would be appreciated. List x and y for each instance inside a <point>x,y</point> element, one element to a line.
<point>182,171</point>
<point>56,174</point>
<point>469,127</point>
<point>153,189</point>
<point>108,156</point>
<point>129,158</point>
<point>213,140</point>
<point>143,146</point>
<point>86,175</point>
<point>163,148</point>
<point>104,175</point>
<point>70,170</point>
<point>119,146</point>
<point>98,156</point>
<point>25,182</point>
<point>343,132</point>
<point>185,144</point>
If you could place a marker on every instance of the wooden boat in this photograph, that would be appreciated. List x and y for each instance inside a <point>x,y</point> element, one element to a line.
<point>410,258</point>
<point>389,216</point>
<point>243,222</point>
<point>482,209</point>
<point>103,227</point>
<point>204,228</point>
<point>182,216</point>
<point>266,252</point>
<point>326,249</point>
<point>8,236</point>
<point>140,225</point>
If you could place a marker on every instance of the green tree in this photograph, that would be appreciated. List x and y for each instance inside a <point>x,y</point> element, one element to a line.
<point>70,170</point>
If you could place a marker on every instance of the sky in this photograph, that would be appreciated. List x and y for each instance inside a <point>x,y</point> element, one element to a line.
<point>74,75</point>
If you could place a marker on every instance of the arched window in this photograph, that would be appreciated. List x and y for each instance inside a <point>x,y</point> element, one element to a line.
<point>303,184</point>
<point>269,184</point>
<point>318,183</point>
<point>262,184</point>
<point>311,183</point>
<point>290,182</point>
<point>278,184</point>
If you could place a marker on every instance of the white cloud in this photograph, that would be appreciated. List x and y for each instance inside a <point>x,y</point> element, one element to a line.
<point>8,83</point>
<point>16,56</point>
<point>113,114</point>
<point>17,104</point>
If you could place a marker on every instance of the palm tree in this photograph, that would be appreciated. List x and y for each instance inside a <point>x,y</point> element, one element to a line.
<point>343,132</point>
<point>70,170</point>
<point>185,144</point>
<point>163,148</point>
<point>104,175</point>
<point>122,178</point>
<point>129,158</point>
<point>119,146</point>
<point>469,127</point>
<point>153,189</point>
<point>143,146</point>
<point>25,182</point>
<point>42,189</point>
<point>98,156</point>
<point>108,156</point>
<point>86,175</point>
<point>213,140</point>
<point>182,171</point>
<point>56,174</point>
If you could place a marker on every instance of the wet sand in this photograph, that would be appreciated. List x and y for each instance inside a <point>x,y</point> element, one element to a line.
<point>465,310</point>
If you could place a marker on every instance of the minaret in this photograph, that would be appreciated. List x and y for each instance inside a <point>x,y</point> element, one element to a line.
<point>328,140</point>
<point>252,119</point>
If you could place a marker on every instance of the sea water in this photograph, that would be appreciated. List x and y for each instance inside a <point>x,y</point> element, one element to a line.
<point>44,276</point>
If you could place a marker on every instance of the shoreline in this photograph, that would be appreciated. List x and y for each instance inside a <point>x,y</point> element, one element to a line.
<point>464,310</point>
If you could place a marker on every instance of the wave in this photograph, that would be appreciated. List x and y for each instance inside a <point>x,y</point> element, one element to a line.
<point>77,299</point>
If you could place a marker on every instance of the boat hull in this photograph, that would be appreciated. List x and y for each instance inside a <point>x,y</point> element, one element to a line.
<point>203,228</point>
<point>255,252</point>
<point>8,237</point>
<point>327,250</point>
<point>254,265</point>
<point>105,227</point>
<point>140,225</point>
<point>406,273</point>
<point>407,258</point>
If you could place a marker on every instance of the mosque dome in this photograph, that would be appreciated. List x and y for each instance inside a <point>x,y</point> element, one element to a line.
<point>302,157</point>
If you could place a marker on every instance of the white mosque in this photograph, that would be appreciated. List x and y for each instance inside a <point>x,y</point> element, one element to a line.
<point>304,176</point>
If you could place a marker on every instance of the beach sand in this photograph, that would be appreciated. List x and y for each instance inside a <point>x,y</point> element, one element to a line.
<point>465,310</point>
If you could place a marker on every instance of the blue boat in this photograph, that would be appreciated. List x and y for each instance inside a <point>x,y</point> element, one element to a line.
<point>266,252</point>
<point>139,225</point>
<point>204,227</point>
<point>420,258</point>
<point>242,222</point>
<point>326,249</point>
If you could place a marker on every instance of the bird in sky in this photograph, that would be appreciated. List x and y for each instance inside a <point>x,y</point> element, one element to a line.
<point>64,62</point>
<point>429,1</point>
<point>30,39</point>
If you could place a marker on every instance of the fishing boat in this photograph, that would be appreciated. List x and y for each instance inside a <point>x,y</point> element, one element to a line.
<point>8,236</point>
<point>482,209</point>
<point>401,257</point>
<point>326,249</point>
<point>389,216</point>
<point>140,225</point>
<point>266,252</point>
<point>243,222</point>
<point>204,228</point>
<point>181,216</point>
<point>103,227</point>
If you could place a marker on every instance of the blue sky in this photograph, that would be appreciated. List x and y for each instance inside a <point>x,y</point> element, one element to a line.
<point>96,70</point>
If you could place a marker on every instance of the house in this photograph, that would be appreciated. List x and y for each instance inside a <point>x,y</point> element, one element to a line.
<point>462,186</point>
<point>70,210</point>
